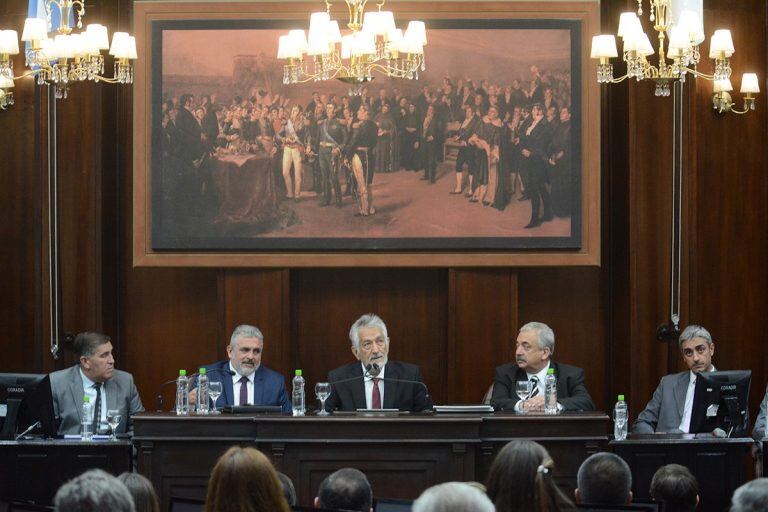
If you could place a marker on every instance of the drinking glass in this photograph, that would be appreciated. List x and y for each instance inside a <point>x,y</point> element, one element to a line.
<point>523,389</point>
<point>323,391</point>
<point>113,418</point>
<point>214,391</point>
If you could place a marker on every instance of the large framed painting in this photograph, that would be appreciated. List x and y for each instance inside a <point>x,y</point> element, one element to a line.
<point>490,157</point>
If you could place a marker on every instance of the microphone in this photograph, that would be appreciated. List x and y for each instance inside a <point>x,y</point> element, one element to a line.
<point>159,399</point>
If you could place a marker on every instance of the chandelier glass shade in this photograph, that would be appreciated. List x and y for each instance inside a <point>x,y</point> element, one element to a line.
<point>61,57</point>
<point>679,31</point>
<point>373,46</point>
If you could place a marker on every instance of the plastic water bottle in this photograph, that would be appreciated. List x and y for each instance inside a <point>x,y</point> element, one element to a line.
<point>298,394</point>
<point>182,394</point>
<point>620,419</point>
<point>86,424</point>
<point>550,392</point>
<point>202,392</point>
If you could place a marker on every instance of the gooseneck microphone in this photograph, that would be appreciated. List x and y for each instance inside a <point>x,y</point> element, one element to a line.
<point>159,399</point>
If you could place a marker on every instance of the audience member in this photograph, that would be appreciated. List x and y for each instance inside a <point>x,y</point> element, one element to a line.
<point>243,479</point>
<point>604,479</point>
<point>751,497</point>
<point>346,489</point>
<point>676,487</point>
<point>453,497</point>
<point>289,491</point>
<point>142,492</point>
<point>93,491</point>
<point>521,479</point>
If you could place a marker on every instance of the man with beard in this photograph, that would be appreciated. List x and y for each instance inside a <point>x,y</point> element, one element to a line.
<point>533,358</point>
<point>362,140</point>
<point>374,382</point>
<point>245,381</point>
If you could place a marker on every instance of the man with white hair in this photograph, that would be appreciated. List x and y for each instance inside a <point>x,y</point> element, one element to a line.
<point>245,381</point>
<point>374,382</point>
<point>751,497</point>
<point>669,410</point>
<point>533,358</point>
<point>453,497</point>
<point>94,491</point>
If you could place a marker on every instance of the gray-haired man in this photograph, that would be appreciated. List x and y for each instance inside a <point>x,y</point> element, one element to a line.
<point>245,381</point>
<point>533,358</point>
<point>94,491</point>
<point>93,376</point>
<point>669,410</point>
<point>374,382</point>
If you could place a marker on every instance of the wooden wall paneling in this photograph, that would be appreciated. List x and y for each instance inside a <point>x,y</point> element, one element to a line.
<point>260,298</point>
<point>568,301</point>
<point>615,221</point>
<point>482,329</point>
<point>729,259</point>
<point>325,303</point>
<point>171,322</point>
<point>650,156</point>
<point>21,181</point>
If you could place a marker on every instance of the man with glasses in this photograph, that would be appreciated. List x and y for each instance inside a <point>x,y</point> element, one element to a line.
<point>374,382</point>
<point>533,358</point>
<point>670,407</point>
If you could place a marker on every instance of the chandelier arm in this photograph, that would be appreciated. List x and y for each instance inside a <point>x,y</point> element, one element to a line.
<point>699,74</point>
<point>740,112</point>
<point>28,73</point>
<point>619,80</point>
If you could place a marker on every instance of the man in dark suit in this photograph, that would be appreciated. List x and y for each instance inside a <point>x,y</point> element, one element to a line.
<point>359,385</point>
<point>95,377</point>
<point>669,410</point>
<point>245,381</point>
<point>533,353</point>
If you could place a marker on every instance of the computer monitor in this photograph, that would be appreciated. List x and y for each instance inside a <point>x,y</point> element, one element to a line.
<point>25,400</point>
<point>721,401</point>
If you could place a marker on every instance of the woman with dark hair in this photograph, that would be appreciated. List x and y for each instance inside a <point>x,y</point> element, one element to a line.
<point>243,480</point>
<point>144,497</point>
<point>521,479</point>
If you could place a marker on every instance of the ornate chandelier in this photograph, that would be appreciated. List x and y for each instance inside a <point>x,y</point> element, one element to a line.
<point>680,23</point>
<point>375,45</point>
<point>63,58</point>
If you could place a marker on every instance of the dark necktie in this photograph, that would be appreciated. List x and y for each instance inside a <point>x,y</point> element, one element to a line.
<point>97,408</point>
<point>376,397</point>
<point>534,386</point>
<point>243,390</point>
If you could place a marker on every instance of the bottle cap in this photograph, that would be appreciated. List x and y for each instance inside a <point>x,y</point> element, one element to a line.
<point>182,372</point>
<point>551,371</point>
<point>86,399</point>
<point>202,371</point>
<point>298,373</point>
<point>621,398</point>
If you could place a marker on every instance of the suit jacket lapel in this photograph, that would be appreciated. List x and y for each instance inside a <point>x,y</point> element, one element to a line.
<point>358,386</point>
<point>76,388</point>
<point>681,389</point>
<point>227,384</point>
<point>258,387</point>
<point>391,389</point>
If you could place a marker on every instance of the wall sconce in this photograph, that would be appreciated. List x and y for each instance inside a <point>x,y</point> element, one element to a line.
<point>721,95</point>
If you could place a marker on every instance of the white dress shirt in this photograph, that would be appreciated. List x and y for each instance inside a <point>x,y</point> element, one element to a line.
<point>368,381</point>
<point>541,375</point>
<point>90,392</point>
<point>685,423</point>
<point>236,385</point>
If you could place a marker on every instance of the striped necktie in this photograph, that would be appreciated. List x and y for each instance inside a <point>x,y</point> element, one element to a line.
<point>534,386</point>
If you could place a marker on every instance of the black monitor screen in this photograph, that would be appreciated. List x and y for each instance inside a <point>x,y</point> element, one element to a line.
<point>25,399</point>
<point>721,401</point>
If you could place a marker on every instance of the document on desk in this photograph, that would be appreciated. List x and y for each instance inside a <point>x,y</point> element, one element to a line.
<point>464,408</point>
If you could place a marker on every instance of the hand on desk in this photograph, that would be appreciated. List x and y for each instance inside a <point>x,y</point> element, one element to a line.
<point>535,404</point>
